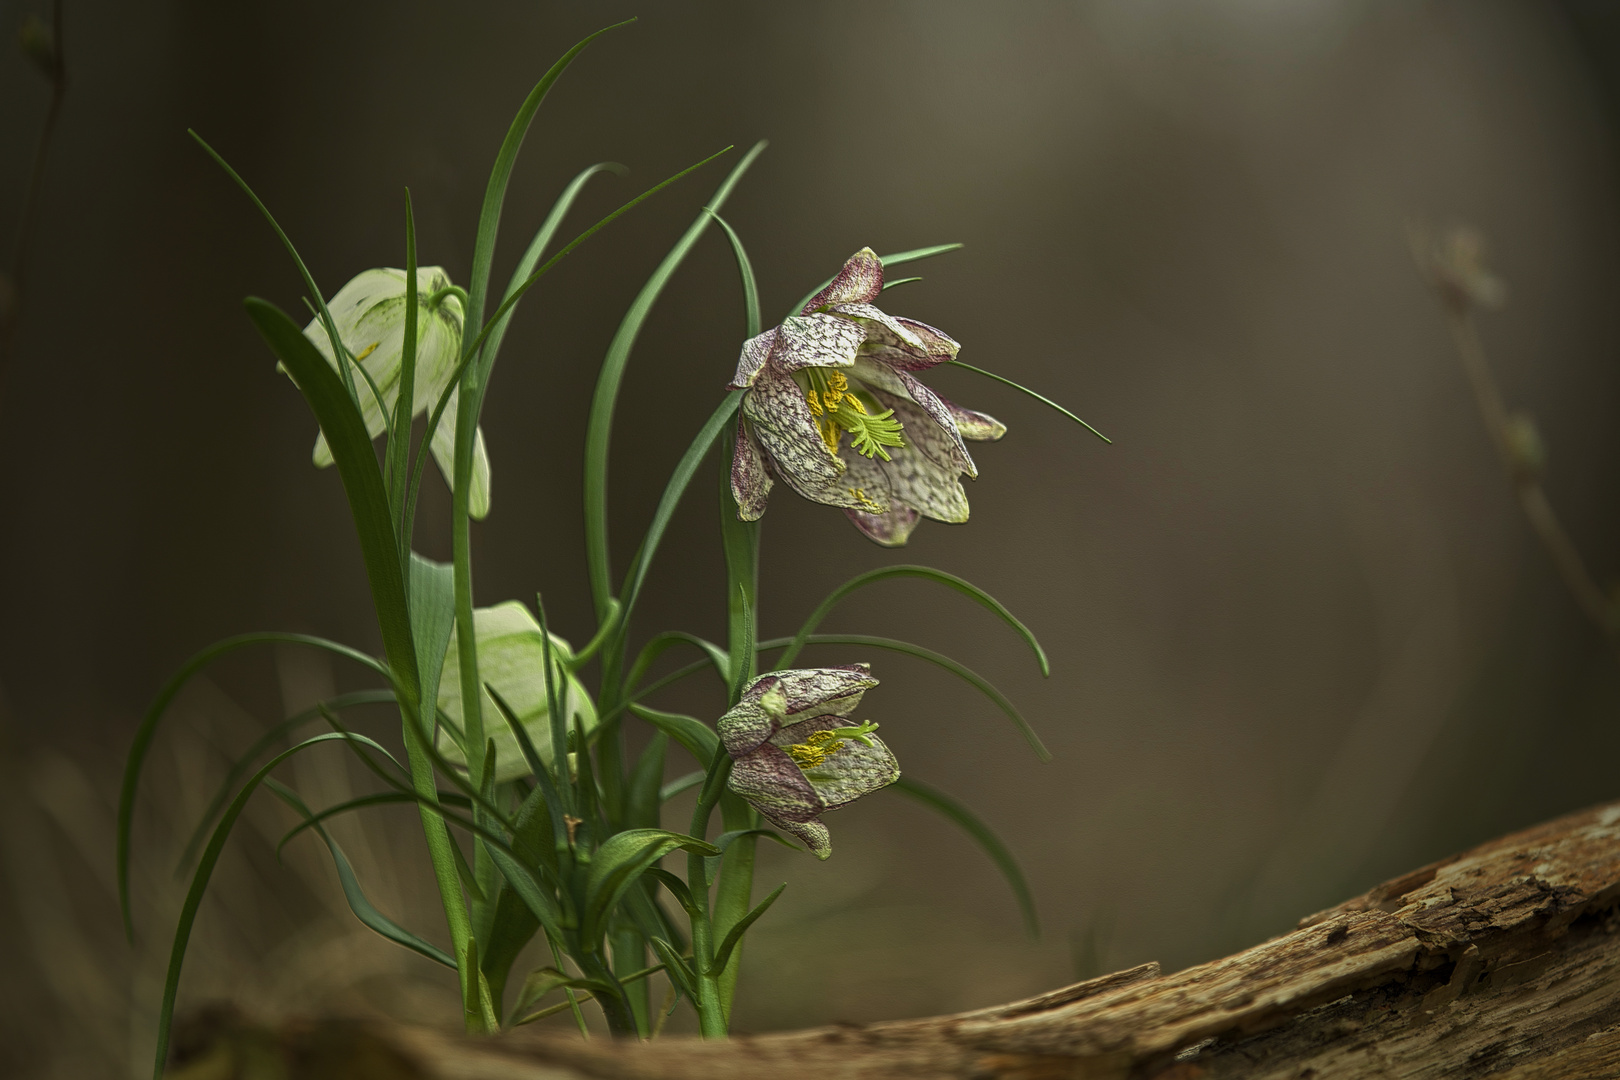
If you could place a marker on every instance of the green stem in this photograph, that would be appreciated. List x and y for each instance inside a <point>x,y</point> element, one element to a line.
<point>711,1006</point>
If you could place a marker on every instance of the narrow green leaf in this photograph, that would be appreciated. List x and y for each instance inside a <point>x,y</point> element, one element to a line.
<point>362,802</point>
<point>396,472</point>
<point>716,656</point>
<point>984,836</point>
<point>678,785</point>
<point>642,807</point>
<point>600,424</point>
<point>619,862</point>
<point>696,737</point>
<point>950,581</point>
<point>745,270</point>
<point>147,730</point>
<point>723,953</point>
<point>489,218</point>
<point>967,675</point>
<point>896,259</point>
<point>1043,400</point>
<point>680,972</point>
<point>679,481</point>
<point>199,885</point>
<point>363,909</point>
<point>244,763</point>
<point>887,285</point>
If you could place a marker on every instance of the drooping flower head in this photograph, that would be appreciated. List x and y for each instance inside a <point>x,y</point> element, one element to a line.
<point>796,755</point>
<point>835,411</point>
<point>369,313</point>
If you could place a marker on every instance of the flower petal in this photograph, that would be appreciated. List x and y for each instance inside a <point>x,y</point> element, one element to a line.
<point>784,429</point>
<point>774,785</point>
<point>850,771</point>
<point>892,529</point>
<point>813,833</point>
<point>815,341</point>
<point>884,329</point>
<point>745,726</point>
<point>859,282</point>
<point>916,480</point>
<point>444,452</point>
<point>750,479</point>
<point>977,426</point>
<point>934,430</point>
<point>755,351</point>
<point>906,344</point>
<point>813,692</point>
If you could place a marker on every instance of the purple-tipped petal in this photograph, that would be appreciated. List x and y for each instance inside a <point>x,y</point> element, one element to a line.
<point>859,282</point>
<point>977,426</point>
<point>750,480</point>
<point>881,327</point>
<point>813,692</point>
<point>937,344</point>
<point>773,784</point>
<point>815,341</point>
<point>813,833</point>
<point>892,529</point>
<point>755,351</point>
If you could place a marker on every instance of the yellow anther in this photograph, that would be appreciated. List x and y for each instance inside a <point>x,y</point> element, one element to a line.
<point>860,496</point>
<point>855,403</point>
<point>811,400</point>
<point>837,388</point>
<point>814,750</point>
<point>369,350</point>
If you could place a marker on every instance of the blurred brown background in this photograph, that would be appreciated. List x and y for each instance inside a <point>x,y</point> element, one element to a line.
<point>1301,638</point>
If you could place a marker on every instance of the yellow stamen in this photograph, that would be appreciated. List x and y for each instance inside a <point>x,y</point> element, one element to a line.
<point>860,496</point>
<point>814,750</point>
<point>811,400</point>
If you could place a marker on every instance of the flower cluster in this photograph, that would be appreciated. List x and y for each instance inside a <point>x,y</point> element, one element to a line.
<point>834,410</point>
<point>795,754</point>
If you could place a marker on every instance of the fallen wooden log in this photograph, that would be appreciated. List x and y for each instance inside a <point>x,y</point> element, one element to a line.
<point>1503,961</point>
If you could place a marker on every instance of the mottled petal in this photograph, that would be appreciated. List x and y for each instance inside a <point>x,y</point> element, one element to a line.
<point>755,351</point>
<point>868,482</point>
<point>976,425</point>
<point>939,345</point>
<point>908,345</point>
<point>813,692</point>
<point>774,785</point>
<point>934,431</point>
<point>815,341</point>
<point>745,726</point>
<point>892,529</point>
<point>885,328</point>
<point>859,282</point>
<point>750,480</point>
<point>850,771</point>
<point>917,480</point>
<point>813,833</point>
<point>786,432</point>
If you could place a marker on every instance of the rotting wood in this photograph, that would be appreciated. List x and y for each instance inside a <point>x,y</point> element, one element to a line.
<point>1503,961</point>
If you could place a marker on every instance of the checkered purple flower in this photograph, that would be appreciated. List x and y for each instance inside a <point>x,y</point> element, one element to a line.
<point>795,753</point>
<point>835,411</point>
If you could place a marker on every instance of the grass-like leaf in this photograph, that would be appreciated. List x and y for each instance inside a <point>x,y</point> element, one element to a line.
<point>928,573</point>
<point>147,730</point>
<point>897,259</point>
<point>745,270</point>
<point>679,481</point>
<point>619,862</point>
<point>723,953</point>
<point>1038,397</point>
<point>358,903</point>
<point>984,836</point>
<point>680,783</point>
<point>696,737</point>
<point>199,885</point>
<point>642,803</point>
<point>244,763</point>
<point>967,675</point>
<point>680,972</point>
<point>489,217</point>
<point>599,429</point>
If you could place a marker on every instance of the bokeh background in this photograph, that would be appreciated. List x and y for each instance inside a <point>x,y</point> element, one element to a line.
<point>1302,639</point>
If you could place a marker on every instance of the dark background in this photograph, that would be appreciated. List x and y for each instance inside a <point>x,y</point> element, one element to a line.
<point>1301,638</point>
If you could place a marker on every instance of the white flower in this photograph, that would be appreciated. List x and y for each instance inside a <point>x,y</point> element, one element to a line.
<point>369,313</point>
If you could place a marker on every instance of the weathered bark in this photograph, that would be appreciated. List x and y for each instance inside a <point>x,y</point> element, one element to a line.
<point>1503,961</point>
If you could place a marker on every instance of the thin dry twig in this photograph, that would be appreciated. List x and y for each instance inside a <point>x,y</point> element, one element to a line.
<point>1455,267</point>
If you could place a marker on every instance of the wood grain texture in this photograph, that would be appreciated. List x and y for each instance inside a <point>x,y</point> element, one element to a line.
<point>1503,961</point>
